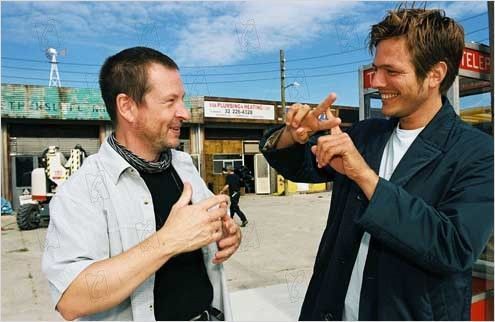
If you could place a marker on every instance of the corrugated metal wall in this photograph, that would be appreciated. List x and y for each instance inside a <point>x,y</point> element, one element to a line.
<point>35,146</point>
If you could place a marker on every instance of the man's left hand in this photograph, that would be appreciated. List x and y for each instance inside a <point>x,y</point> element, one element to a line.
<point>230,241</point>
<point>338,151</point>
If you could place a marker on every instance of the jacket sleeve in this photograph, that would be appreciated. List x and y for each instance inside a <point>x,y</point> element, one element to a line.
<point>296,163</point>
<point>447,238</point>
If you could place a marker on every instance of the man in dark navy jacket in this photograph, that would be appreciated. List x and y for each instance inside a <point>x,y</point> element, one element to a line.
<point>412,203</point>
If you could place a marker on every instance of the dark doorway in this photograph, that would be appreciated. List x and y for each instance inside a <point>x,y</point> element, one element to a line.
<point>249,163</point>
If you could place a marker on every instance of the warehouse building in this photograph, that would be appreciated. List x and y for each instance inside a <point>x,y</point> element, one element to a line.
<point>222,131</point>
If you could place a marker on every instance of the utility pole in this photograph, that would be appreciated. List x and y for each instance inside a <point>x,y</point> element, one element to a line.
<point>282,100</point>
<point>282,80</point>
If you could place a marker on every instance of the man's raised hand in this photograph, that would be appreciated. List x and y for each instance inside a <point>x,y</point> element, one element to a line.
<point>190,227</point>
<point>302,121</point>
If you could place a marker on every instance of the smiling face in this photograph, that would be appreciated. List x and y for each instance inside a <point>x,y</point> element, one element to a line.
<point>162,110</point>
<point>402,94</point>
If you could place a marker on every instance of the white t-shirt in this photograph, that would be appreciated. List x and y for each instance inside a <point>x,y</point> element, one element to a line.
<point>396,147</point>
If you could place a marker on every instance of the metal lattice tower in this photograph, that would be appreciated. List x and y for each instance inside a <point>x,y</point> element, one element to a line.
<point>51,54</point>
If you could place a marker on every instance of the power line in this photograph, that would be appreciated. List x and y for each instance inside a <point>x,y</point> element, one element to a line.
<point>194,83</point>
<point>184,75</point>
<point>332,74</point>
<point>475,31</point>
<point>98,65</point>
<point>482,41</point>
<point>235,65</point>
<point>46,70</point>
<point>327,55</point>
<point>232,74</point>
<point>43,79</point>
<point>45,61</point>
<point>199,83</point>
<point>475,16</point>
<point>334,65</point>
<point>201,75</point>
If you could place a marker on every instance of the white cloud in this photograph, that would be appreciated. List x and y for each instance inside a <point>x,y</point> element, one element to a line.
<point>461,9</point>
<point>195,33</point>
<point>203,33</point>
<point>255,27</point>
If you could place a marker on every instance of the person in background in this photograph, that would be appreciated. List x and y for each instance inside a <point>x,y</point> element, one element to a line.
<point>233,185</point>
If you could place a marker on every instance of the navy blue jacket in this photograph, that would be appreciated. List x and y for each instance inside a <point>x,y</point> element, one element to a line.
<point>428,224</point>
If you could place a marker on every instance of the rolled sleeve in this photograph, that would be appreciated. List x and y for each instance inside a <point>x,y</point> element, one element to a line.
<point>76,237</point>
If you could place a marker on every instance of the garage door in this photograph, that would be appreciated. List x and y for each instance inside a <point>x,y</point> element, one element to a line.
<point>36,146</point>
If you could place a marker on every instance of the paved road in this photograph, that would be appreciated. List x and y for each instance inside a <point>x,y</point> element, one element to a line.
<point>267,277</point>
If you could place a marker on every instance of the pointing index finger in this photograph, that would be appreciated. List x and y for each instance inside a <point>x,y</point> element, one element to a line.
<point>325,104</point>
<point>336,129</point>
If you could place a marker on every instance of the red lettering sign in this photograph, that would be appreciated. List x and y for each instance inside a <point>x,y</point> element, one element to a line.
<point>367,76</point>
<point>475,61</point>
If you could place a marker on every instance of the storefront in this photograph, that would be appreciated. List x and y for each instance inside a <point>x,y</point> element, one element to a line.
<point>222,132</point>
<point>226,132</point>
<point>36,117</point>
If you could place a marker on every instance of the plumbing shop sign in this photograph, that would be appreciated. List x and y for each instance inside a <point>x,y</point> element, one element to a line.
<point>233,110</point>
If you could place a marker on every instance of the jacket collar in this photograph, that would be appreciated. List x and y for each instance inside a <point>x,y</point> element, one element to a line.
<point>429,144</point>
<point>437,131</point>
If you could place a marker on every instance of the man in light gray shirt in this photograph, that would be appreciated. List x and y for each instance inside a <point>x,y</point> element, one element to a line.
<point>135,234</point>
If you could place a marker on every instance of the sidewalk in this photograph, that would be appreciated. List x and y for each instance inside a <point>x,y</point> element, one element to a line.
<point>271,303</point>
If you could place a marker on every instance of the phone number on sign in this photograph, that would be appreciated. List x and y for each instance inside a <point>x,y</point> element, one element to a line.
<point>238,112</point>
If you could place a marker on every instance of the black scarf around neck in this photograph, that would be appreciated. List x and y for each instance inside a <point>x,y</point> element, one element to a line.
<point>139,163</point>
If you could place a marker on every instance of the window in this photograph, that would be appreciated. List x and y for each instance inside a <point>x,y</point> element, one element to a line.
<point>221,161</point>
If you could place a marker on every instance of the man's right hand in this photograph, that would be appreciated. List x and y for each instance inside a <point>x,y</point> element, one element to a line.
<point>302,122</point>
<point>190,227</point>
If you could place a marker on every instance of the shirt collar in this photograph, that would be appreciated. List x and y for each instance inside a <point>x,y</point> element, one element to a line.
<point>112,162</point>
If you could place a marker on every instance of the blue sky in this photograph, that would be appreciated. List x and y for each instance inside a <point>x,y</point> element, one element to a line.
<point>223,48</point>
